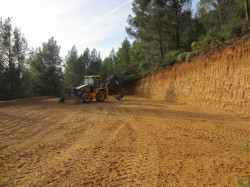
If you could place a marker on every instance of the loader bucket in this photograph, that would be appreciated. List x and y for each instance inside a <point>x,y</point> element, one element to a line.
<point>70,99</point>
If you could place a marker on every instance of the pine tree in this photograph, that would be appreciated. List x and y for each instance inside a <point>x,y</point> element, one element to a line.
<point>108,65</point>
<point>1,47</point>
<point>7,56</point>
<point>13,51</point>
<point>107,68</point>
<point>71,76</point>
<point>20,48</point>
<point>95,63</point>
<point>2,66</point>
<point>46,69</point>
<point>159,27</point>
<point>147,25</point>
<point>180,14</point>
<point>85,58</point>
<point>123,64</point>
<point>247,14</point>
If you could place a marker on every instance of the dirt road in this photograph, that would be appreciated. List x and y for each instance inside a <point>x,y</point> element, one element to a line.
<point>133,142</point>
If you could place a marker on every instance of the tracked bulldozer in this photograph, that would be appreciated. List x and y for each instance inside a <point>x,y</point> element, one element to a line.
<point>92,89</point>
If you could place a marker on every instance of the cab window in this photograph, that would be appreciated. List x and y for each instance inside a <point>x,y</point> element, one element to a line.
<point>89,81</point>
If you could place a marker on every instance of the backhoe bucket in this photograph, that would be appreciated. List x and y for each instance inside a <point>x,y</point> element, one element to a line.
<point>70,99</point>
<point>118,98</point>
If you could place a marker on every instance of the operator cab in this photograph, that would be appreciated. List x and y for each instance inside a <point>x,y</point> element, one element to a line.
<point>93,81</point>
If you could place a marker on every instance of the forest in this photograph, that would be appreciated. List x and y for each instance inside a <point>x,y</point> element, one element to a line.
<point>164,32</point>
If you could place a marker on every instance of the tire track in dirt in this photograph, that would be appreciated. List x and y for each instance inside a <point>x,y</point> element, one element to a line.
<point>72,147</point>
<point>116,159</point>
<point>35,148</point>
<point>177,138</point>
<point>132,142</point>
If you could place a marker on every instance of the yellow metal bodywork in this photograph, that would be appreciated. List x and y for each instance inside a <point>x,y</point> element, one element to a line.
<point>95,93</point>
<point>94,76</point>
<point>107,92</point>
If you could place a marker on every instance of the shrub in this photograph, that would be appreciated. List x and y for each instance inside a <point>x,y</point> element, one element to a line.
<point>181,57</point>
<point>170,58</point>
<point>190,55</point>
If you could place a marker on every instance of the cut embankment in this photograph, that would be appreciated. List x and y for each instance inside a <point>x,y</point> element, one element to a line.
<point>217,79</point>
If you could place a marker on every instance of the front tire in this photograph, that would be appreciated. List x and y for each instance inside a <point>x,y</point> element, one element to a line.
<point>100,96</point>
<point>86,98</point>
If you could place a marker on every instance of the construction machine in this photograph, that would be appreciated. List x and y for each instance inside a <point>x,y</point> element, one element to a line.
<point>92,89</point>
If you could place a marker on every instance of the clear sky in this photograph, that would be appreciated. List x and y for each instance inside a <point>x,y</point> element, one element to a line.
<point>96,24</point>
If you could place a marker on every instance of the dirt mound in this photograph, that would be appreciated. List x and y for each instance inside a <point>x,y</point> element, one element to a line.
<point>135,141</point>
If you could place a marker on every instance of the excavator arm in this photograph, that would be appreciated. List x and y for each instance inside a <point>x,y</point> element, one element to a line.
<point>116,80</point>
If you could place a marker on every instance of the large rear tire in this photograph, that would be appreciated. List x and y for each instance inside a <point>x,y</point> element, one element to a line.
<point>100,96</point>
<point>86,98</point>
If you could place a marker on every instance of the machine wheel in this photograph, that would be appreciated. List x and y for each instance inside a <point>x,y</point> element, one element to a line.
<point>100,96</point>
<point>86,98</point>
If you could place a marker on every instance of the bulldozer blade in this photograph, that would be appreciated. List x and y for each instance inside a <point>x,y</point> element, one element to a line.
<point>70,99</point>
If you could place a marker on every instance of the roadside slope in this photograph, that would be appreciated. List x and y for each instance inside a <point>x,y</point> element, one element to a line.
<point>218,79</point>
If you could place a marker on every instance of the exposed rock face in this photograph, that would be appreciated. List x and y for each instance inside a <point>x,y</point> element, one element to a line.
<point>218,78</point>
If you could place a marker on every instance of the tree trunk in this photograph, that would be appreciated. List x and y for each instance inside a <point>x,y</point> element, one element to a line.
<point>177,25</point>
<point>160,42</point>
<point>247,14</point>
<point>219,10</point>
<point>232,11</point>
<point>10,66</point>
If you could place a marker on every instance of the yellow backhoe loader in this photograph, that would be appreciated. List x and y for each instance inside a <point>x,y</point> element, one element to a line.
<point>92,89</point>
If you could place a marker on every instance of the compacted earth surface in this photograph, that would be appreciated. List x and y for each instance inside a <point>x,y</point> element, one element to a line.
<point>131,142</point>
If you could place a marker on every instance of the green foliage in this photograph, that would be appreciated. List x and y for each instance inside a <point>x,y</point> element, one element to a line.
<point>190,55</point>
<point>95,62</point>
<point>221,20</point>
<point>89,63</point>
<point>75,68</point>
<point>128,63</point>
<point>13,66</point>
<point>124,66</point>
<point>170,58</point>
<point>107,66</point>
<point>161,26</point>
<point>238,29</point>
<point>140,62</point>
<point>122,63</point>
<point>46,71</point>
<point>246,183</point>
<point>181,57</point>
